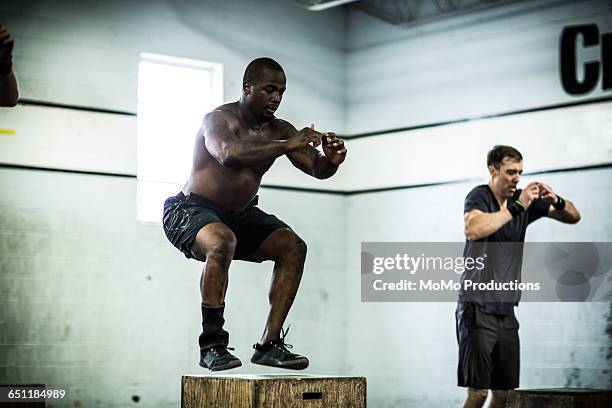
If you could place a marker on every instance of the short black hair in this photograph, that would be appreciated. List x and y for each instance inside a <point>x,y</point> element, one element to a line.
<point>498,153</point>
<point>254,71</point>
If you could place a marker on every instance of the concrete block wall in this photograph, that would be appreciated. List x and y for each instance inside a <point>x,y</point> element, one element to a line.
<point>88,53</point>
<point>569,137</point>
<point>496,60</point>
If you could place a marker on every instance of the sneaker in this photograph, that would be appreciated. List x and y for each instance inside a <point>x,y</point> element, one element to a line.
<point>217,358</point>
<point>274,353</point>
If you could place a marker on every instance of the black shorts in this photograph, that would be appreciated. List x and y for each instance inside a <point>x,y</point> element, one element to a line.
<point>184,216</point>
<point>488,348</point>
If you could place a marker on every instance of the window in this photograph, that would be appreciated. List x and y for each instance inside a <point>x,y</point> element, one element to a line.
<point>174,94</point>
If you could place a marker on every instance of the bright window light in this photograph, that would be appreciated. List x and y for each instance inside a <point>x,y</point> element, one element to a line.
<point>174,94</point>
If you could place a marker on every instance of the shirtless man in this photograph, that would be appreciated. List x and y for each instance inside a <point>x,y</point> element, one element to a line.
<point>215,217</point>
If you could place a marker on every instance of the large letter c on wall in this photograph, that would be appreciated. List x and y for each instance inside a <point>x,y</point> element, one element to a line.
<point>569,35</point>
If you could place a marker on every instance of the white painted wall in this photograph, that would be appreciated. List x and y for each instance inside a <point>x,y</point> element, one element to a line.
<point>87,53</point>
<point>493,61</point>
<point>69,139</point>
<point>561,138</point>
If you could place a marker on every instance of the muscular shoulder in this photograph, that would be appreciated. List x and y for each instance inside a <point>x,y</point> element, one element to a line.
<point>224,115</point>
<point>282,128</point>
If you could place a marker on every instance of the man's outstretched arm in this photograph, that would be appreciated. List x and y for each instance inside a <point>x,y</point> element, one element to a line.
<point>222,142</point>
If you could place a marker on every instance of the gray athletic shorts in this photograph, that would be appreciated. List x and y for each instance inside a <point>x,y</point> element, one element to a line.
<point>488,348</point>
<point>184,216</point>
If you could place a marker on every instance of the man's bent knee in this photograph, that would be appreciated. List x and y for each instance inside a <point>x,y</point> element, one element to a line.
<point>294,248</point>
<point>283,245</point>
<point>215,241</point>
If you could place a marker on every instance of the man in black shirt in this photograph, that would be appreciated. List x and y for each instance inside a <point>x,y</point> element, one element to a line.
<point>487,330</point>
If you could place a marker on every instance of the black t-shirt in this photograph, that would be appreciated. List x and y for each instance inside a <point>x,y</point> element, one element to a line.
<point>503,261</point>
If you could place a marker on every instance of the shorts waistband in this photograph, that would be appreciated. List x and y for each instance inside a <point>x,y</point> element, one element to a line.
<point>209,203</point>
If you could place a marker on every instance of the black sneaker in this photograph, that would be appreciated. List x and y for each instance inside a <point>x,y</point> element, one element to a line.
<point>217,358</point>
<point>274,353</point>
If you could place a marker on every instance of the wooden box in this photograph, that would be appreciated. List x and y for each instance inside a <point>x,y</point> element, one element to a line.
<point>272,391</point>
<point>560,398</point>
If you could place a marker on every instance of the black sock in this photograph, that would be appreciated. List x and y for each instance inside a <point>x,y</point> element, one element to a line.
<point>212,327</point>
